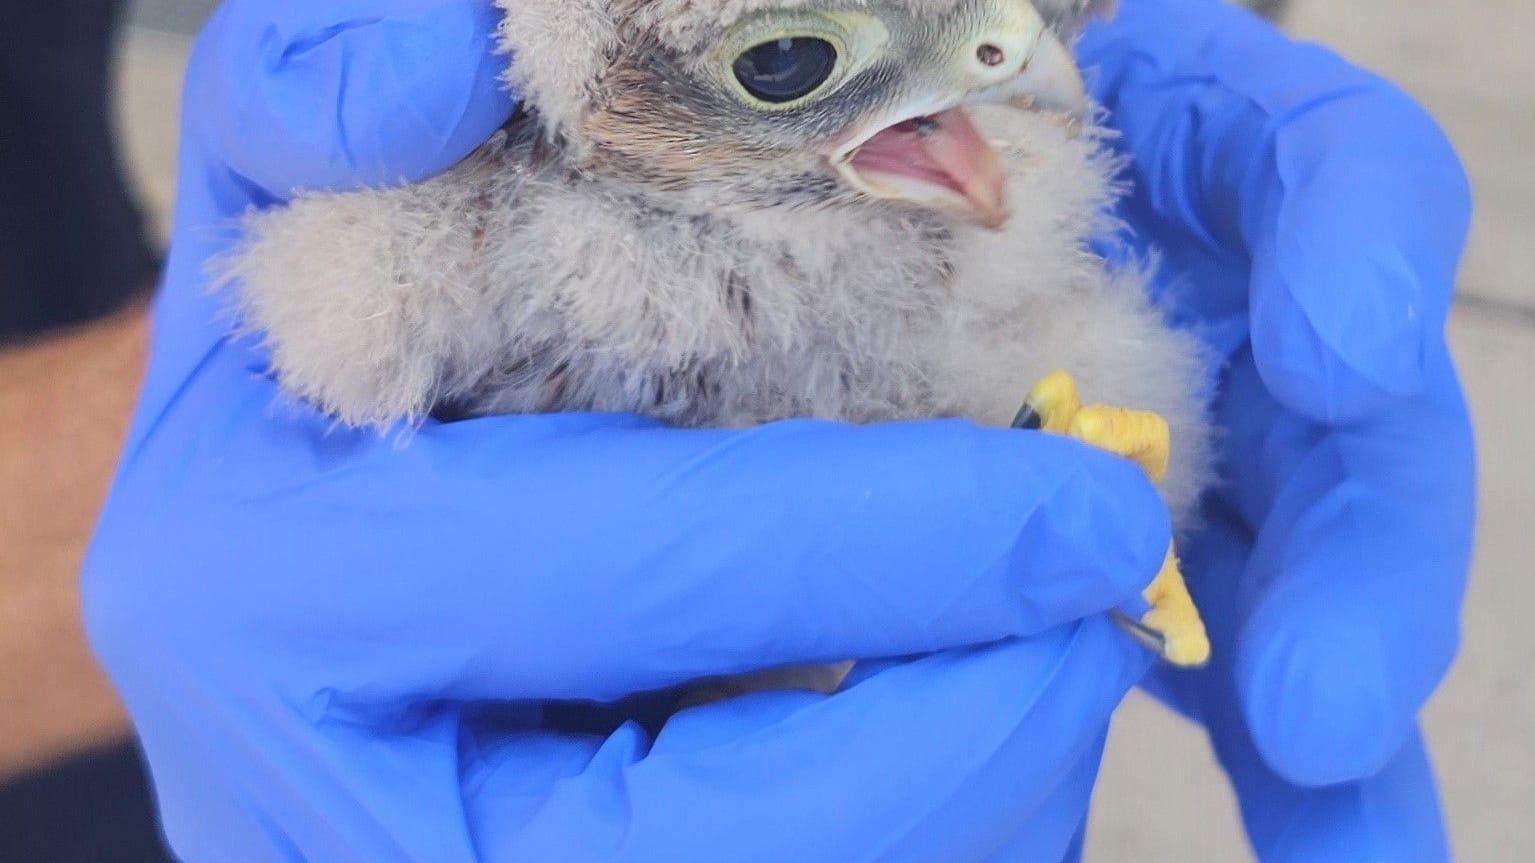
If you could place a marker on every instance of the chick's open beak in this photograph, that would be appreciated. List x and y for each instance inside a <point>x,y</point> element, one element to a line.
<point>937,158</point>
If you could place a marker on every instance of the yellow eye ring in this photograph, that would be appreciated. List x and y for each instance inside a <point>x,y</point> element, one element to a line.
<point>796,58</point>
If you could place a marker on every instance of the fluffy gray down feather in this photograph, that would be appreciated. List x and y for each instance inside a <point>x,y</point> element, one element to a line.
<point>515,284</point>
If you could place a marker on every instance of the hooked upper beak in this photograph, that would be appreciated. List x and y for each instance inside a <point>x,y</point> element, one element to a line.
<point>1049,79</point>
<point>932,154</point>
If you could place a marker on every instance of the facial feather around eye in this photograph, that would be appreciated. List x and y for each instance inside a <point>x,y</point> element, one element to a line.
<point>688,25</point>
<point>562,50</point>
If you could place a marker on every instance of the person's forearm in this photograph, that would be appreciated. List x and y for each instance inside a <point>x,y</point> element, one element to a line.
<point>74,391</point>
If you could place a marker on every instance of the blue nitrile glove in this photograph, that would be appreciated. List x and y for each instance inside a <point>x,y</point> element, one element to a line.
<point>1311,219</point>
<point>339,648</point>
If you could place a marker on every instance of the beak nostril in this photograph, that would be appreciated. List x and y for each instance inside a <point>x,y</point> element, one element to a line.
<point>990,55</point>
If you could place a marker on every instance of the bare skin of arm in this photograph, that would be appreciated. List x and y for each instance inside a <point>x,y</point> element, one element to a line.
<point>65,401</point>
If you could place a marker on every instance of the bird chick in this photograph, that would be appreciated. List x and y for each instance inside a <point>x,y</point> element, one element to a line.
<point>728,212</point>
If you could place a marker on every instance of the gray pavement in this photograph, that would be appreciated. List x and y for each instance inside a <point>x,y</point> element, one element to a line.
<point>1161,797</point>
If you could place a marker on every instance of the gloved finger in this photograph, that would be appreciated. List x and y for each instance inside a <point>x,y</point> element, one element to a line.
<point>942,758</point>
<point>1390,815</point>
<point>1074,853</point>
<point>300,782</point>
<point>287,94</point>
<point>1352,596</point>
<point>1245,143</point>
<point>293,94</point>
<point>1056,829</point>
<point>585,557</point>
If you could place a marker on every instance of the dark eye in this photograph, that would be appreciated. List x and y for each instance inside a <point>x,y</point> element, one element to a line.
<point>786,69</point>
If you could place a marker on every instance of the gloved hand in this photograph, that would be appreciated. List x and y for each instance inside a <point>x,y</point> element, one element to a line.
<point>336,647</point>
<point>1311,219</point>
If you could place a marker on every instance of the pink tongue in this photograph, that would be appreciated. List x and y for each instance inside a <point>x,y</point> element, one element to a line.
<point>942,150</point>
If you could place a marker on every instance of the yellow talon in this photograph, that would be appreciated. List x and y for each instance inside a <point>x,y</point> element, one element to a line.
<point>1054,400</point>
<point>1143,437</point>
<point>1140,436</point>
<point>1174,617</point>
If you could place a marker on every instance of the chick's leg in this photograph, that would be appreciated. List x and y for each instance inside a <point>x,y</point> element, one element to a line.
<point>1053,406</point>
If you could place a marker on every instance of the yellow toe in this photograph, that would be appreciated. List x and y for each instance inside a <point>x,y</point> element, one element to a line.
<point>1184,642</point>
<point>1173,625</point>
<point>1140,436</point>
<point>1055,400</point>
<point>1174,617</point>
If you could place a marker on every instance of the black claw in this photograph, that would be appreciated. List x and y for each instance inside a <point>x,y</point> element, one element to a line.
<point>1149,638</point>
<point>1028,419</point>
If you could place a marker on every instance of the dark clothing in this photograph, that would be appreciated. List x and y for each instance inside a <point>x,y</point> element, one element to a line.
<point>95,808</point>
<point>72,244</point>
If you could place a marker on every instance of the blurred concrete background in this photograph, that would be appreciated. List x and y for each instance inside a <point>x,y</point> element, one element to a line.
<point>1470,63</point>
